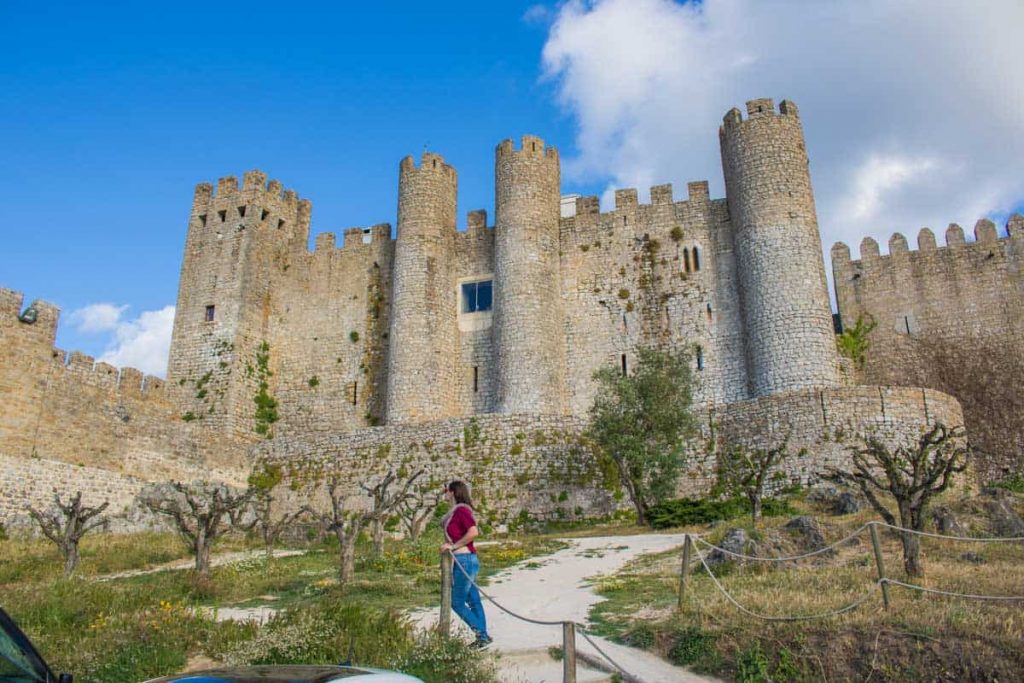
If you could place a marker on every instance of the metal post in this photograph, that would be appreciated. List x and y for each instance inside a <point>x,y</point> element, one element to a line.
<point>568,652</point>
<point>444,624</point>
<point>881,565</point>
<point>684,571</point>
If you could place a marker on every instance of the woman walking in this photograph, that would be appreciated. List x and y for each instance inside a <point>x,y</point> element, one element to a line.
<point>459,527</point>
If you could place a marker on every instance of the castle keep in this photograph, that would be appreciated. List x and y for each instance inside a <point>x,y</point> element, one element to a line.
<point>472,352</point>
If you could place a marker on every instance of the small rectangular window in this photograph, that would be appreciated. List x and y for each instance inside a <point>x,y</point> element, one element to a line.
<point>355,392</point>
<point>624,368</point>
<point>476,379</point>
<point>477,296</point>
<point>209,314</point>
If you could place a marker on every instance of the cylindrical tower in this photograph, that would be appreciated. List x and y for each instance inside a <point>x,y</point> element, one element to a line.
<point>423,340</point>
<point>787,318</point>
<point>528,329</point>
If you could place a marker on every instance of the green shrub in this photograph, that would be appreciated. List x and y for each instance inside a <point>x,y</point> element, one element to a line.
<point>692,644</point>
<point>641,636</point>
<point>326,632</point>
<point>1014,483</point>
<point>687,511</point>
<point>752,666</point>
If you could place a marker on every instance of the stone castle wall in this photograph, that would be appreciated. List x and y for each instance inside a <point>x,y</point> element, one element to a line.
<point>951,318</point>
<point>64,414</point>
<point>544,467</point>
<point>300,356</point>
<point>786,314</point>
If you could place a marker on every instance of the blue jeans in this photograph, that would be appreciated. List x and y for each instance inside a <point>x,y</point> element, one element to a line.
<point>465,596</point>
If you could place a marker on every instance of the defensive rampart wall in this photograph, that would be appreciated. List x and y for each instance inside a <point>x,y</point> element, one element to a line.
<point>951,318</point>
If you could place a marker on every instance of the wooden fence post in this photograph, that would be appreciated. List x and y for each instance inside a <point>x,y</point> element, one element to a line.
<point>881,564</point>
<point>568,652</point>
<point>684,571</point>
<point>444,624</point>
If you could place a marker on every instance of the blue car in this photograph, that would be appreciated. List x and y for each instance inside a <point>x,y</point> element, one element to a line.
<point>21,663</point>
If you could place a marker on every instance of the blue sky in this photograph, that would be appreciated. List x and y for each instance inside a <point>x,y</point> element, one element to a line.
<point>114,112</point>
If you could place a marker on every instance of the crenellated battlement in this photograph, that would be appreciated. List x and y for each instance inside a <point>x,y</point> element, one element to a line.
<point>353,239</point>
<point>588,208</point>
<point>762,108</point>
<point>531,146</point>
<point>258,203</point>
<point>31,343</point>
<point>430,162</point>
<point>985,235</point>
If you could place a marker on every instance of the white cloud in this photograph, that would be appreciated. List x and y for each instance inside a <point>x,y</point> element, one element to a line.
<point>143,342</point>
<point>96,318</point>
<point>911,109</point>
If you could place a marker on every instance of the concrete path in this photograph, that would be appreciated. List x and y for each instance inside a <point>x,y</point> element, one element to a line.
<point>557,590</point>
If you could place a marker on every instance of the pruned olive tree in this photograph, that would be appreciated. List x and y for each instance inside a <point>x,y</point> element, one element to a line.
<point>200,511</point>
<point>66,523</point>
<point>418,508</point>
<point>745,471</point>
<point>342,521</point>
<point>266,513</point>
<point>640,422</point>
<point>912,476</point>
<point>385,501</point>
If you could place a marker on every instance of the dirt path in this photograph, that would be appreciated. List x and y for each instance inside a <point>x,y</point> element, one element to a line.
<point>557,590</point>
<point>215,561</point>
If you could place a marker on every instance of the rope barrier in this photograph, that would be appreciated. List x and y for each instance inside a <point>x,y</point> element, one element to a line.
<point>856,532</point>
<point>789,558</point>
<point>969,596</point>
<point>792,558</point>
<point>824,615</point>
<point>582,629</point>
<point>970,539</point>
<point>497,604</point>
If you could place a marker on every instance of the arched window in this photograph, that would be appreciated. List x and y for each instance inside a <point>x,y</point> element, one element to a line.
<point>686,260</point>
<point>696,258</point>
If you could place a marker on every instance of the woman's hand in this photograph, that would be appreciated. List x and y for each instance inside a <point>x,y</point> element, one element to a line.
<point>446,547</point>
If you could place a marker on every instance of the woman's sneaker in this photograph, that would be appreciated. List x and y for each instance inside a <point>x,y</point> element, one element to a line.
<point>481,643</point>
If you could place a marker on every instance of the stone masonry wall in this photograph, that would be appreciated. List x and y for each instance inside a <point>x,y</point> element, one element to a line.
<point>61,414</point>
<point>514,463</point>
<point>528,328</point>
<point>786,313</point>
<point>659,274</point>
<point>822,424</point>
<point>951,318</point>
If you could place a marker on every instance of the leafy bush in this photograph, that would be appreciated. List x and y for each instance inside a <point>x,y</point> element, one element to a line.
<point>692,644</point>
<point>445,660</point>
<point>325,633</point>
<point>641,636</point>
<point>687,511</point>
<point>752,665</point>
<point>1014,483</point>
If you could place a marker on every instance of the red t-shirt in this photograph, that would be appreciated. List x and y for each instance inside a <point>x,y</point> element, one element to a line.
<point>461,522</point>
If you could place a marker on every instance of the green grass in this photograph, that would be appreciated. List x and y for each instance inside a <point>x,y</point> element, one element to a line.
<point>143,626</point>
<point>921,637</point>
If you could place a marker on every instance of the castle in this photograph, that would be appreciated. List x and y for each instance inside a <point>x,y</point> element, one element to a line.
<point>472,352</point>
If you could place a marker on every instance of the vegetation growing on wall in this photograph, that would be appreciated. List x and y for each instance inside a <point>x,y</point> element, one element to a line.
<point>266,405</point>
<point>853,342</point>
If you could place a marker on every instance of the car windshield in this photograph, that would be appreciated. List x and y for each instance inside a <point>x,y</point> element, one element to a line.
<point>19,661</point>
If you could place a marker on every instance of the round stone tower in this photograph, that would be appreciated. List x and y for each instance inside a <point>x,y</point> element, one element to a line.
<point>423,338</point>
<point>528,331</point>
<point>784,299</point>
